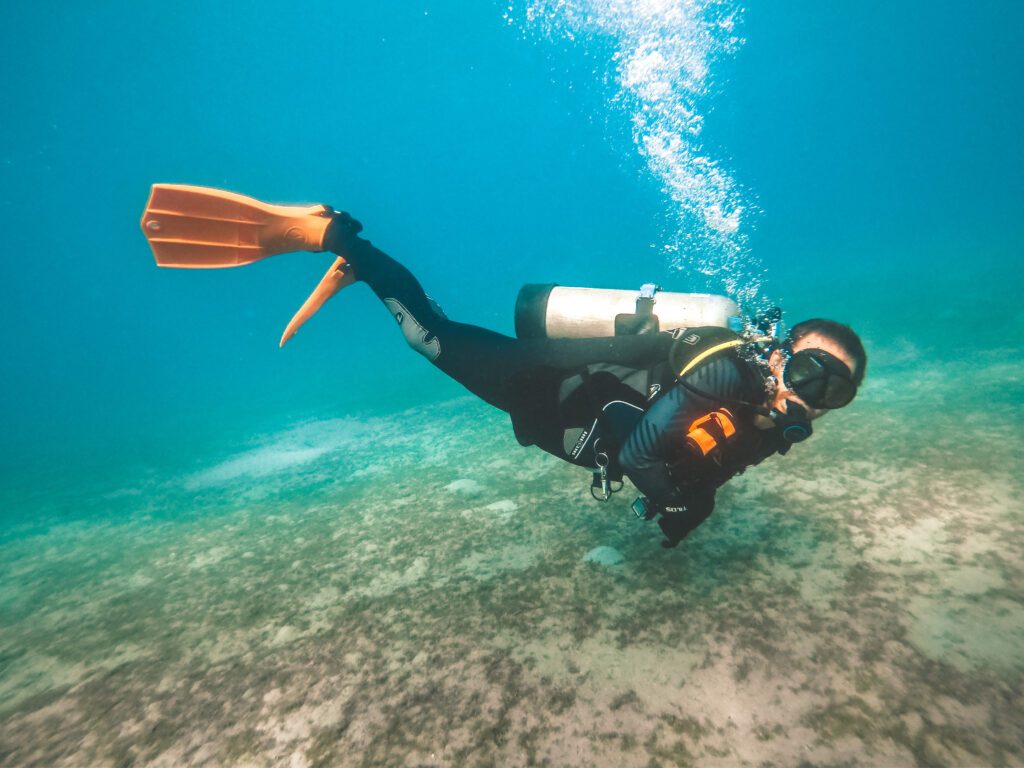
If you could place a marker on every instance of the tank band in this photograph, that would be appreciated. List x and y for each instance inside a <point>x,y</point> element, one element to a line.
<point>532,310</point>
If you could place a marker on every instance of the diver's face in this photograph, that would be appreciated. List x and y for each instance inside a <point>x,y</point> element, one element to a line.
<point>777,362</point>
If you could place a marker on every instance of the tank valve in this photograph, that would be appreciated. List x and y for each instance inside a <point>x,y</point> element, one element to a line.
<point>647,291</point>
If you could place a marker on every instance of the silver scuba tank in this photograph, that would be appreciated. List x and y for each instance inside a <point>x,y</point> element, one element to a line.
<point>559,312</point>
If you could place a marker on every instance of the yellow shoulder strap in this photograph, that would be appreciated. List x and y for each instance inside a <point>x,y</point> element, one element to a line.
<point>708,352</point>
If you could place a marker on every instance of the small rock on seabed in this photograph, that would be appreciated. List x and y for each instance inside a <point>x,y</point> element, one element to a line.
<point>604,556</point>
<point>468,487</point>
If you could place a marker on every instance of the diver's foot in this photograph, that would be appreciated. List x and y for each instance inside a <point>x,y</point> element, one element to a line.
<point>340,232</point>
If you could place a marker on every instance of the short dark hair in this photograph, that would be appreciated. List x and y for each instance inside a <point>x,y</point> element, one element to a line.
<point>842,334</point>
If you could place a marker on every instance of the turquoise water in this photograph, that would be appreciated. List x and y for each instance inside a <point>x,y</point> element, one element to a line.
<point>216,552</point>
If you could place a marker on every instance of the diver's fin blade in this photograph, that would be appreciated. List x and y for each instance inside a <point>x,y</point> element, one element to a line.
<point>205,228</point>
<point>338,276</point>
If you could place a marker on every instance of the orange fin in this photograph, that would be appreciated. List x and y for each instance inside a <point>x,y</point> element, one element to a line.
<point>204,228</point>
<point>338,276</point>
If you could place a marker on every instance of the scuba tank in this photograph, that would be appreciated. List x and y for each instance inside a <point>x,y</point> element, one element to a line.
<point>559,312</point>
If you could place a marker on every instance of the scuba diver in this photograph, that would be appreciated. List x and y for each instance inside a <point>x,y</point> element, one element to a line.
<point>678,412</point>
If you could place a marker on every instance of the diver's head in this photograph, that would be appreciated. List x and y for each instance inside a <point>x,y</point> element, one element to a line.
<point>818,367</point>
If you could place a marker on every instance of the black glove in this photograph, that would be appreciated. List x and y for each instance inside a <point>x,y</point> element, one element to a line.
<point>677,522</point>
<point>675,526</point>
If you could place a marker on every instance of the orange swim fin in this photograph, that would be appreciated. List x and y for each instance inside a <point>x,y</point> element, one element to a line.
<point>204,228</point>
<point>338,276</point>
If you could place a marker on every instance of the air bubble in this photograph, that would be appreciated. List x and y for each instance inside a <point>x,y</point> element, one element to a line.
<point>664,57</point>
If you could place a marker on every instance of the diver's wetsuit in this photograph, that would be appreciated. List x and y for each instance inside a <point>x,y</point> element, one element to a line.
<point>519,376</point>
<point>557,391</point>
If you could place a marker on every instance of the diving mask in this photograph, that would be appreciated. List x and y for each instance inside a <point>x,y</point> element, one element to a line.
<point>821,380</point>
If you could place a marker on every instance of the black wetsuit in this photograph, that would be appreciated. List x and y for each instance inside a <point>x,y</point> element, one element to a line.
<point>575,398</point>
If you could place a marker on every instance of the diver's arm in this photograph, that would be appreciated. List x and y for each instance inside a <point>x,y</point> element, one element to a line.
<point>658,436</point>
<point>660,439</point>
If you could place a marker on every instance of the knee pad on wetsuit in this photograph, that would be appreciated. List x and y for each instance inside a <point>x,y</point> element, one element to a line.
<point>418,337</point>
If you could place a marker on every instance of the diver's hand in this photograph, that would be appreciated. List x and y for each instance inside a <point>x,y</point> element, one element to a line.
<point>675,524</point>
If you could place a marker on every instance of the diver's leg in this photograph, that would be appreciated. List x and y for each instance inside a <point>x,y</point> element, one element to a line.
<point>497,368</point>
<point>475,357</point>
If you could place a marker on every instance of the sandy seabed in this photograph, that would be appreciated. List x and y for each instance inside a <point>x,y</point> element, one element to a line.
<point>414,590</point>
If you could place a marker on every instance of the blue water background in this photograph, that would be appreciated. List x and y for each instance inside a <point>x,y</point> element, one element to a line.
<point>882,143</point>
